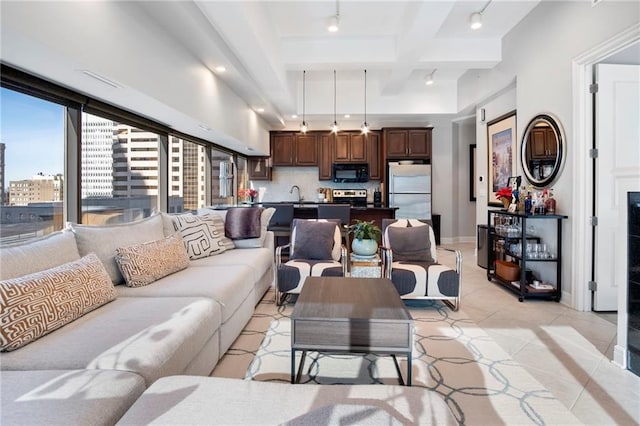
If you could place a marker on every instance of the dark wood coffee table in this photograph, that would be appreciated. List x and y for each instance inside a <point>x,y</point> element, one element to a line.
<point>351,315</point>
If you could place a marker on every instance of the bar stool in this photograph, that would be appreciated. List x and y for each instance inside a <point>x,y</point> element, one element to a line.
<point>280,222</point>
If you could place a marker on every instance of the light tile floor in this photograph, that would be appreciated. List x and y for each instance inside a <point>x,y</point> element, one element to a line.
<point>568,351</point>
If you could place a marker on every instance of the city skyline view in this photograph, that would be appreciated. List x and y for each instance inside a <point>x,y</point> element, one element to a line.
<point>32,130</point>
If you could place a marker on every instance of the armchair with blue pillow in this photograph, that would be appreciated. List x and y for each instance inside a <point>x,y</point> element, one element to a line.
<point>409,260</point>
<point>315,250</point>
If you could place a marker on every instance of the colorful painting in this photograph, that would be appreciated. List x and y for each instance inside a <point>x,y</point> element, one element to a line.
<point>501,137</point>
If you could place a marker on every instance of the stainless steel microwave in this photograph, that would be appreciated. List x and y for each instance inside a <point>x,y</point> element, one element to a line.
<point>350,172</point>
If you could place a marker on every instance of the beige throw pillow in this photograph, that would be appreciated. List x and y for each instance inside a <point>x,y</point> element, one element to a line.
<point>39,303</point>
<point>145,263</point>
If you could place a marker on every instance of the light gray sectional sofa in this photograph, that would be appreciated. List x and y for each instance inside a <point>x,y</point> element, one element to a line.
<point>141,354</point>
<point>180,324</point>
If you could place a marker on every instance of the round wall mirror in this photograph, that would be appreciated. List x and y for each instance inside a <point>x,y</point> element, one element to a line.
<point>542,150</point>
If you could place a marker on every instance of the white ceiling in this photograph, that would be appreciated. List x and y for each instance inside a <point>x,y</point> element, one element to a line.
<point>266,45</point>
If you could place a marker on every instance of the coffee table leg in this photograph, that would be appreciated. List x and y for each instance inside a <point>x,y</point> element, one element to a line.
<point>409,369</point>
<point>300,367</point>
<point>293,365</point>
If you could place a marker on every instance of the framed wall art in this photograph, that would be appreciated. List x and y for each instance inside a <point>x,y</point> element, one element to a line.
<point>501,141</point>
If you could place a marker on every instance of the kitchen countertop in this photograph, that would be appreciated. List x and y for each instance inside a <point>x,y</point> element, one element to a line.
<point>303,205</point>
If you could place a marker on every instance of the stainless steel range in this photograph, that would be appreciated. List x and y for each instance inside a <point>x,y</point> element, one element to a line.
<point>355,197</point>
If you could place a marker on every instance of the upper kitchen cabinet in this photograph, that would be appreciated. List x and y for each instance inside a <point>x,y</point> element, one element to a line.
<point>259,168</point>
<point>407,143</point>
<point>374,149</point>
<point>282,148</point>
<point>306,150</point>
<point>350,147</point>
<point>294,149</point>
<point>325,157</point>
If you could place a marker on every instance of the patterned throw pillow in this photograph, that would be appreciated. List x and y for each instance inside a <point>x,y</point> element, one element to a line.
<point>39,303</point>
<point>203,236</point>
<point>145,263</point>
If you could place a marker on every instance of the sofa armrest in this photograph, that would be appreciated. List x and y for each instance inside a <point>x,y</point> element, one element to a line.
<point>269,241</point>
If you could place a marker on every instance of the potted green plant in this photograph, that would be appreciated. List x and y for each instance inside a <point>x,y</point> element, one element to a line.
<point>365,238</point>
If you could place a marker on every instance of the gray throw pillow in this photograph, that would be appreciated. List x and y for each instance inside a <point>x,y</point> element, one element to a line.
<point>410,244</point>
<point>313,240</point>
<point>242,223</point>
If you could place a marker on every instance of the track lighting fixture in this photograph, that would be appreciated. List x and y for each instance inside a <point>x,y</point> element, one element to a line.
<point>334,126</point>
<point>334,21</point>
<point>303,125</point>
<point>365,126</point>
<point>429,80</point>
<point>475,20</point>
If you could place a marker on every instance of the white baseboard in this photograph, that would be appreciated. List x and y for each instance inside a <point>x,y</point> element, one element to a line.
<point>620,356</point>
<point>454,240</point>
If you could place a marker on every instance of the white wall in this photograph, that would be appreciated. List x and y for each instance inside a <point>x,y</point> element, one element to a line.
<point>132,50</point>
<point>538,53</point>
<point>464,136</point>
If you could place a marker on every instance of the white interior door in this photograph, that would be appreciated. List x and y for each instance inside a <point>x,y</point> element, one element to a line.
<point>618,142</point>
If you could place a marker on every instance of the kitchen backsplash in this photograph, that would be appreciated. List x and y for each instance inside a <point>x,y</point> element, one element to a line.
<point>283,178</point>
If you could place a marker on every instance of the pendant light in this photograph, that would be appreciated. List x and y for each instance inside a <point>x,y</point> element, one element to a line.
<point>365,126</point>
<point>429,80</point>
<point>333,26</point>
<point>303,126</point>
<point>334,126</point>
<point>475,20</point>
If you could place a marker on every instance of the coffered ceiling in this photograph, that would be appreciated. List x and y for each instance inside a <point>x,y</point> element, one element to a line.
<point>266,45</point>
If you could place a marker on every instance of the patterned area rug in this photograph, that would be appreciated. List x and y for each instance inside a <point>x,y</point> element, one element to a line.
<point>452,356</point>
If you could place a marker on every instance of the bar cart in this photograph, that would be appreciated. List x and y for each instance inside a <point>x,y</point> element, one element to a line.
<point>509,245</point>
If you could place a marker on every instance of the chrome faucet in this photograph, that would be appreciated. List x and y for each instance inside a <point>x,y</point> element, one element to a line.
<point>299,196</point>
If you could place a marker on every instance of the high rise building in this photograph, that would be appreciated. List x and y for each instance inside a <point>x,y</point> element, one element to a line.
<point>40,188</point>
<point>97,156</point>
<point>2,188</point>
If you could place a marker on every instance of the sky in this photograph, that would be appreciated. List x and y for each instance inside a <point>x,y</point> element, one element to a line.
<point>33,133</point>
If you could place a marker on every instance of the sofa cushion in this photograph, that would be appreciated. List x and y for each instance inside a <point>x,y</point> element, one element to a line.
<point>202,235</point>
<point>337,237</point>
<point>259,260</point>
<point>409,223</point>
<point>227,285</point>
<point>104,240</point>
<point>242,223</point>
<point>153,337</point>
<point>144,263</point>
<point>57,397</point>
<point>39,303</point>
<point>37,255</point>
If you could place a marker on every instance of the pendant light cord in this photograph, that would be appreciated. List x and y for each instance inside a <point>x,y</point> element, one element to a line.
<point>304,94</point>
<point>335,119</point>
<point>365,97</point>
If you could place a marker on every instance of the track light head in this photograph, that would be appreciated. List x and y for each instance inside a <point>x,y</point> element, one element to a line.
<point>475,21</point>
<point>334,24</point>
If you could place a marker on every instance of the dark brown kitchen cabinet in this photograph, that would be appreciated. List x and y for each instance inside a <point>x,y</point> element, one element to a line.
<point>542,144</point>
<point>294,149</point>
<point>282,145</point>
<point>259,168</point>
<point>374,149</point>
<point>306,150</point>
<point>407,143</point>
<point>350,147</point>
<point>325,157</point>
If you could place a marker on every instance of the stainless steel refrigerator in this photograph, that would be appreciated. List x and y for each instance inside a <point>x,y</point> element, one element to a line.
<point>410,190</point>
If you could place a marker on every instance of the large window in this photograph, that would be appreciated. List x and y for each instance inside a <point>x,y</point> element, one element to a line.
<point>31,166</point>
<point>186,176</point>
<point>223,172</point>
<point>119,171</point>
